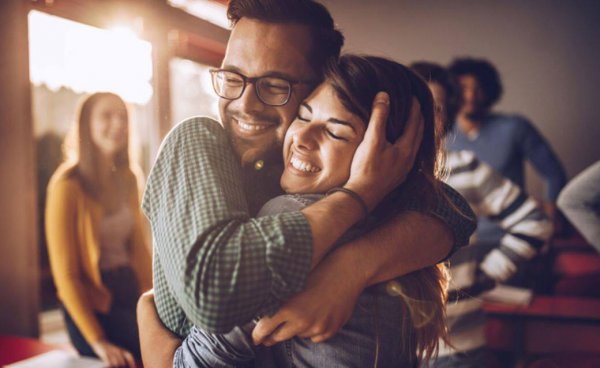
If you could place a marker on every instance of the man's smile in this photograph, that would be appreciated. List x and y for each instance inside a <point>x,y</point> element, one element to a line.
<point>249,129</point>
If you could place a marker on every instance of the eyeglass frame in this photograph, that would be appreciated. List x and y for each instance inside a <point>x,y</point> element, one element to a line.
<point>252,80</point>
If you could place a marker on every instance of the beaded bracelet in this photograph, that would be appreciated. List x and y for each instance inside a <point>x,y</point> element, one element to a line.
<point>356,197</point>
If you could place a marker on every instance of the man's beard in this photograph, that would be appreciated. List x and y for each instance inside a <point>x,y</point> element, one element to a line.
<point>249,150</point>
<point>250,155</point>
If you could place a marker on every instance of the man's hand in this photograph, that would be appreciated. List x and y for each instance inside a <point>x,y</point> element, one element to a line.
<point>112,355</point>
<point>320,310</point>
<point>379,166</point>
<point>157,343</point>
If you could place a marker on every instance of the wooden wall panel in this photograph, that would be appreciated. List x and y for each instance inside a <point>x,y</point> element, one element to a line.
<point>19,262</point>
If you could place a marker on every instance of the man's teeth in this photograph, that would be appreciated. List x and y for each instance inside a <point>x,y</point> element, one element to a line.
<point>303,166</point>
<point>254,127</point>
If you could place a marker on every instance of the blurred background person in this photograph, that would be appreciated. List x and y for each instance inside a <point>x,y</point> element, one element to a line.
<point>580,202</point>
<point>99,256</point>
<point>502,141</point>
<point>476,269</point>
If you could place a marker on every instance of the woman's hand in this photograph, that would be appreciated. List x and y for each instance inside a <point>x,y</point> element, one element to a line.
<point>321,309</point>
<point>112,355</point>
<point>157,343</point>
<point>379,166</point>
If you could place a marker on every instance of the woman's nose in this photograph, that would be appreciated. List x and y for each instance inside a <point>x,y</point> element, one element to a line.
<point>306,137</point>
<point>118,123</point>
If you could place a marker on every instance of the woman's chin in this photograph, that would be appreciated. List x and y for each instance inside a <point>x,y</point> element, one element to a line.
<point>296,187</point>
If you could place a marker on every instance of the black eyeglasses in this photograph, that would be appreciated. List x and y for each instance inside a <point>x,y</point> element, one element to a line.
<point>272,91</point>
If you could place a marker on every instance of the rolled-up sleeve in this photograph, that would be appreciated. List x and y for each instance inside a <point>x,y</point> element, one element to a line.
<point>212,260</point>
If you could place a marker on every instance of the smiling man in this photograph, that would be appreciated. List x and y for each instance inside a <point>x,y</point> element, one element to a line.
<point>217,267</point>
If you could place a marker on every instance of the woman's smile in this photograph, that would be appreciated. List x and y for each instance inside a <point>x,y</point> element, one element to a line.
<point>303,165</point>
<point>320,143</point>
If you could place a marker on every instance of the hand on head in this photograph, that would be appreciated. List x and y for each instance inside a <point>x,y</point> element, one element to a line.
<point>378,165</point>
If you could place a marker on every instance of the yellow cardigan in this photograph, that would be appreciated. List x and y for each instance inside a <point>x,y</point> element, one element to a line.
<point>72,219</point>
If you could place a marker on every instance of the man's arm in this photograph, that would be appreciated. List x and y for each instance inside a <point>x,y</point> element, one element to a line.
<point>538,151</point>
<point>406,243</point>
<point>157,343</point>
<point>409,241</point>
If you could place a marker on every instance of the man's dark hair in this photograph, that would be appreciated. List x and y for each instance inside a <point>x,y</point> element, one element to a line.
<point>327,41</point>
<point>436,73</point>
<point>485,73</point>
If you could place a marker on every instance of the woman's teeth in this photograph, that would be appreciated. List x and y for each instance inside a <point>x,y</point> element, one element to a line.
<point>303,166</point>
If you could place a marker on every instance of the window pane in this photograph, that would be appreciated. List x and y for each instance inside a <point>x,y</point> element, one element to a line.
<point>191,90</point>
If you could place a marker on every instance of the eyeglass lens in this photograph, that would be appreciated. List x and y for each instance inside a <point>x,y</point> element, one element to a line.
<point>270,90</point>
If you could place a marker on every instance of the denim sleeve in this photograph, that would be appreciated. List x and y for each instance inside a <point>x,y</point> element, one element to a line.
<point>537,150</point>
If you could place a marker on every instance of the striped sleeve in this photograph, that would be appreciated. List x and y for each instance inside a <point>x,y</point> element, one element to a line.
<point>526,227</point>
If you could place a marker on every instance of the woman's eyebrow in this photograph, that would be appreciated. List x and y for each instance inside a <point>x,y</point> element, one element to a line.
<point>305,104</point>
<point>342,122</point>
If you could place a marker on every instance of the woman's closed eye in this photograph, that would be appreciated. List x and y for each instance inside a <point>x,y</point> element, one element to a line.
<point>300,117</point>
<point>335,136</point>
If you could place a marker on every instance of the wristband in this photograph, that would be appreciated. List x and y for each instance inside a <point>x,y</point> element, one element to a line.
<point>354,196</point>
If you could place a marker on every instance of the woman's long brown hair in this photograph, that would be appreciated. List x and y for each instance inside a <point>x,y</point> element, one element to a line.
<point>85,153</point>
<point>356,80</point>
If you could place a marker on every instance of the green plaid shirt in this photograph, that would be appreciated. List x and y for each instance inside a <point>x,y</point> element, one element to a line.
<point>214,265</point>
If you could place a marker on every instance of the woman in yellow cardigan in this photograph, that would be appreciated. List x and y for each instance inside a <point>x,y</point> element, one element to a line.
<point>96,243</point>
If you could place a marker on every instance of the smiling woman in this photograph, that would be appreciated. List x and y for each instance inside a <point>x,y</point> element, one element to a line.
<point>320,144</point>
<point>98,254</point>
<point>395,323</point>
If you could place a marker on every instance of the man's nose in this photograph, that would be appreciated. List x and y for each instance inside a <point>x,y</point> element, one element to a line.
<point>249,101</point>
<point>468,94</point>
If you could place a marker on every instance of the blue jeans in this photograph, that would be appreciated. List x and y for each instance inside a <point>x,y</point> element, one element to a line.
<point>120,323</point>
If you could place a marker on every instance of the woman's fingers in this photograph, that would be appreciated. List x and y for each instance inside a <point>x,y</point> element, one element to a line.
<point>410,141</point>
<point>115,358</point>
<point>129,359</point>
<point>283,332</point>
<point>320,338</point>
<point>264,328</point>
<point>377,122</point>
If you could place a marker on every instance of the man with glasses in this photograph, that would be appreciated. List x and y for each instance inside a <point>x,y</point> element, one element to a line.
<point>217,267</point>
<point>272,91</point>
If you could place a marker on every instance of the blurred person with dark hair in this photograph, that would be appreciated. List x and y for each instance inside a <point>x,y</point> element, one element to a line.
<point>580,202</point>
<point>476,269</point>
<point>99,256</point>
<point>503,141</point>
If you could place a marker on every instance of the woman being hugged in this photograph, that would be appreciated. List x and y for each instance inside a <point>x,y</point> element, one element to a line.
<point>98,253</point>
<point>392,324</point>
